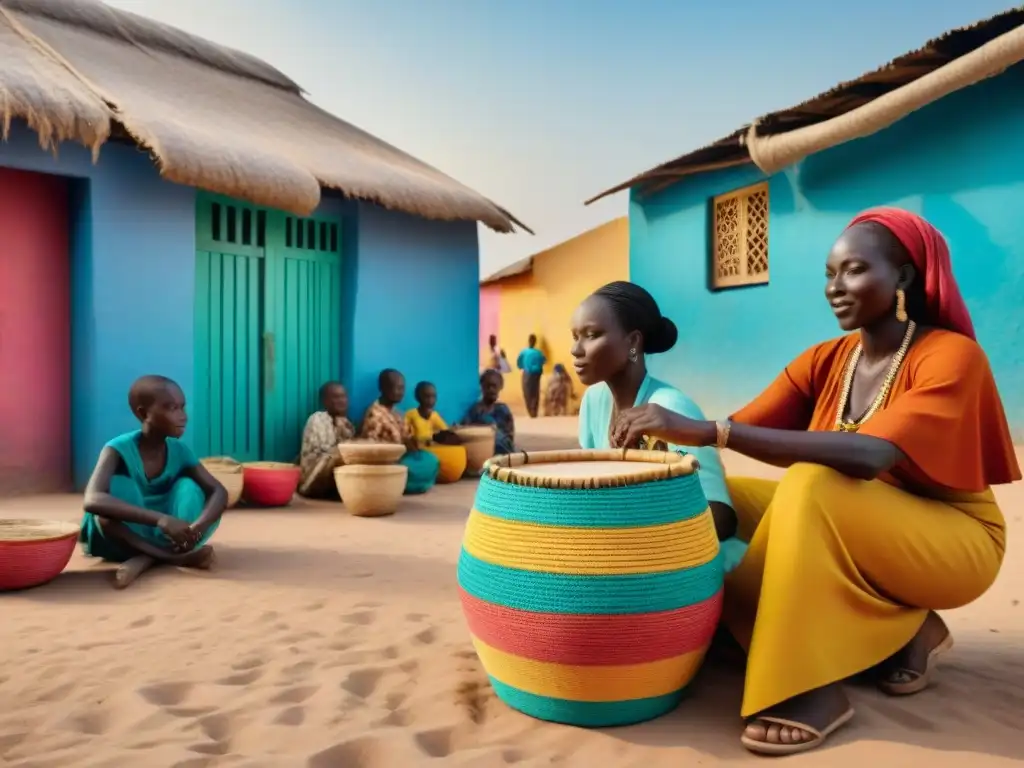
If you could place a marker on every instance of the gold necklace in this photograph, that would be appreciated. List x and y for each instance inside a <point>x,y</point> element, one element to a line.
<point>841,424</point>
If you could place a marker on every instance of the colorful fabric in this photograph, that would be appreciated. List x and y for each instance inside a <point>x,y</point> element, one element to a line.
<point>170,493</point>
<point>853,568</point>
<point>424,429</point>
<point>930,254</point>
<point>499,416</point>
<point>943,411</point>
<point>320,439</point>
<point>531,360</point>
<point>582,614</point>
<point>423,470</point>
<point>383,424</point>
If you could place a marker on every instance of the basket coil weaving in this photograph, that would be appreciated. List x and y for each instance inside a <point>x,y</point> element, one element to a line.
<point>591,582</point>
<point>229,474</point>
<point>33,552</point>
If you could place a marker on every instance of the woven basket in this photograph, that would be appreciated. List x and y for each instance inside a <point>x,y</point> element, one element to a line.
<point>229,474</point>
<point>370,452</point>
<point>479,444</point>
<point>591,582</point>
<point>33,552</point>
<point>371,490</point>
<point>270,483</point>
<point>452,459</point>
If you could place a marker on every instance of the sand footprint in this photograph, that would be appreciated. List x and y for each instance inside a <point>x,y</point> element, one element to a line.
<point>427,637</point>
<point>362,682</point>
<point>359,618</point>
<point>295,695</point>
<point>242,678</point>
<point>292,716</point>
<point>363,752</point>
<point>166,694</point>
<point>436,743</point>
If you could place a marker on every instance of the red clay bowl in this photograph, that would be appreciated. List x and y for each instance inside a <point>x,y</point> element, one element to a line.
<point>33,552</point>
<point>270,483</point>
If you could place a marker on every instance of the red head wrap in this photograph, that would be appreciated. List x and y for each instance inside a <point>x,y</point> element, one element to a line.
<point>930,254</point>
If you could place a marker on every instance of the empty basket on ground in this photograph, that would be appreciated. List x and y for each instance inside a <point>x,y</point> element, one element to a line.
<point>591,582</point>
<point>479,445</point>
<point>270,483</point>
<point>33,552</point>
<point>452,459</point>
<point>371,490</point>
<point>229,474</point>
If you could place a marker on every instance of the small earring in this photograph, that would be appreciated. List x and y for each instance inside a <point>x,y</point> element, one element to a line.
<point>632,355</point>
<point>901,305</point>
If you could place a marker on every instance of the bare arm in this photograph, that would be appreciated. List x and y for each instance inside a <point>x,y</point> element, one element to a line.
<point>100,502</point>
<point>859,456</point>
<point>216,496</point>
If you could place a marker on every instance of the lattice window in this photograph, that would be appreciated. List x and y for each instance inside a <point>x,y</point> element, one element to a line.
<point>310,235</point>
<point>740,231</point>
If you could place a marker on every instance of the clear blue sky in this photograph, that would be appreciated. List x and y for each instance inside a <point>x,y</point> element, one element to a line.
<point>540,104</point>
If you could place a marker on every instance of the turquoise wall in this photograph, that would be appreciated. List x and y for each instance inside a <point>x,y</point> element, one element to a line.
<point>410,290</point>
<point>959,163</point>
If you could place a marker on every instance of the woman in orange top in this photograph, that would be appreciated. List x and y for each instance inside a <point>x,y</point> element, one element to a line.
<point>892,436</point>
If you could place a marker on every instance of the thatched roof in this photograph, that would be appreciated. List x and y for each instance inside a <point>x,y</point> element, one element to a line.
<point>857,108</point>
<point>521,267</point>
<point>211,117</point>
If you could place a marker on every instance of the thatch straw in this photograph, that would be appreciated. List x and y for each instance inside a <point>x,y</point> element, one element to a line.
<point>227,122</point>
<point>35,88</point>
<point>774,152</point>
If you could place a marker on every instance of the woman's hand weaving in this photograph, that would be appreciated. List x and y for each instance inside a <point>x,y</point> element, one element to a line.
<point>659,423</point>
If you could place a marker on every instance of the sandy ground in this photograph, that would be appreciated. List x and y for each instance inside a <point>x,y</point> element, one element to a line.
<point>333,642</point>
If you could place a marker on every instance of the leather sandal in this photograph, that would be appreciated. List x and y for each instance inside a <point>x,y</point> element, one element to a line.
<point>771,748</point>
<point>918,680</point>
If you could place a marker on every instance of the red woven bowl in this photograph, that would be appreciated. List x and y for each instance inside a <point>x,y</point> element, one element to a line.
<point>270,483</point>
<point>33,552</point>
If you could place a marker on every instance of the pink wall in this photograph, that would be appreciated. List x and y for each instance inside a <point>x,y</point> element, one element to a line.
<point>35,334</point>
<point>490,314</point>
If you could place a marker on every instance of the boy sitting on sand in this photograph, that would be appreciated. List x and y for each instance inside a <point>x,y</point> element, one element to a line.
<point>324,430</point>
<point>149,501</point>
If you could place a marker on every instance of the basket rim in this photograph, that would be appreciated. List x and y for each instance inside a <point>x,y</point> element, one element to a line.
<point>271,465</point>
<point>370,469</point>
<point>223,464</point>
<point>67,530</point>
<point>661,465</point>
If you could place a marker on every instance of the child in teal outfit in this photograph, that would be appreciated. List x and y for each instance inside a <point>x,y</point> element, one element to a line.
<point>149,501</point>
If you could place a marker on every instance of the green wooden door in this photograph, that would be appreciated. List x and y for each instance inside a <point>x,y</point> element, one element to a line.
<point>303,325</point>
<point>226,408</point>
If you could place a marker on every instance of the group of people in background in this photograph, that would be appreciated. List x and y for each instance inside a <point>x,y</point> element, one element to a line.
<point>559,393</point>
<point>384,422</point>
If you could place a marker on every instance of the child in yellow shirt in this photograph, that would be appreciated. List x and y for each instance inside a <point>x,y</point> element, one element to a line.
<point>424,422</point>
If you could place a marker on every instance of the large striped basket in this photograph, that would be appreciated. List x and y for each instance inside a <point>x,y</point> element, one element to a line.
<point>591,582</point>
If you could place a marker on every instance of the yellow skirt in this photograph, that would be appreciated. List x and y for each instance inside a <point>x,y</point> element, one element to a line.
<point>833,564</point>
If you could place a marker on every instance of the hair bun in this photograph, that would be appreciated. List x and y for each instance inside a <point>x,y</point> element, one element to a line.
<point>663,338</point>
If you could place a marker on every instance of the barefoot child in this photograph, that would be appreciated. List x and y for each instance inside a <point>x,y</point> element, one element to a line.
<point>149,501</point>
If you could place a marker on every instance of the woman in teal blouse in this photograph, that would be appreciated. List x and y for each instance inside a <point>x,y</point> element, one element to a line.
<point>613,330</point>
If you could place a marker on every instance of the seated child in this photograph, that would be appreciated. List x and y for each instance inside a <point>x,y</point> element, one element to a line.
<point>488,411</point>
<point>320,437</point>
<point>149,500</point>
<point>424,422</point>
<point>383,422</point>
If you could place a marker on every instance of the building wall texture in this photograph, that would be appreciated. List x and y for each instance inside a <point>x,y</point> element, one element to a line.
<point>956,162</point>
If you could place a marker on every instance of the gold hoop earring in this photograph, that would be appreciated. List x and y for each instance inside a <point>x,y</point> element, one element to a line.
<point>901,305</point>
